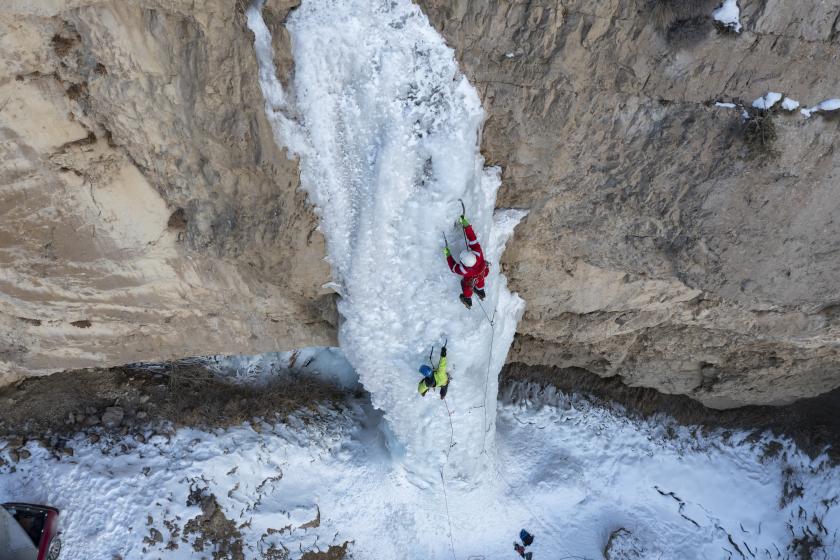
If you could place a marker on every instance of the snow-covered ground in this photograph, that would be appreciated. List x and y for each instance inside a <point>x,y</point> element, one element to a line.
<point>387,131</point>
<point>569,471</point>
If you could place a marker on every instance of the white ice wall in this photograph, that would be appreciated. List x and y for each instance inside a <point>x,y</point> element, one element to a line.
<point>387,132</point>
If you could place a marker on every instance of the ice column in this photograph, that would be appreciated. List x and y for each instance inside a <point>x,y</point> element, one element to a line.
<point>387,132</point>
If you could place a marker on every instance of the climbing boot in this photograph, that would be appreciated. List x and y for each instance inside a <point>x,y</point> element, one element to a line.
<point>466,301</point>
<point>480,293</point>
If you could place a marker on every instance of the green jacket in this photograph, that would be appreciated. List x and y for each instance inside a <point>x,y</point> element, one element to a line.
<point>439,376</point>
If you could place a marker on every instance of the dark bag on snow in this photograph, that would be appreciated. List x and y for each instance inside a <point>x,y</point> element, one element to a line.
<point>526,537</point>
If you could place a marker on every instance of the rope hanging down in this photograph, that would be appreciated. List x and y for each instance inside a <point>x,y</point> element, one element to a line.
<point>443,479</point>
<point>448,517</point>
<point>485,425</point>
<point>486,316</point>
<point>452,430</point>
<point>491,322</point>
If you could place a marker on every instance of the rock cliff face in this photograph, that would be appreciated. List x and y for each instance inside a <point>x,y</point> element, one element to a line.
<point>664,244</point>
<point>147,213</point>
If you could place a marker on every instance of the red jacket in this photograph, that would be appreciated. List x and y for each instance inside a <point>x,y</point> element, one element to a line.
<point>479,270</point>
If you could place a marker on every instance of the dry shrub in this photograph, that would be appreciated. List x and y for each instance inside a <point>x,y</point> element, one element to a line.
<point>333,553</point>
<point>77,91</point>
<point>213,530</point>
<point>760,132</point>
<point>62,45</point>
<point>197,397</point>
<point>807,545</point>
<point>792,489</point>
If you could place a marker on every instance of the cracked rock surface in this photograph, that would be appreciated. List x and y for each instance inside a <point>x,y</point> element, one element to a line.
<point>147,213</point>
<point>659,246</point>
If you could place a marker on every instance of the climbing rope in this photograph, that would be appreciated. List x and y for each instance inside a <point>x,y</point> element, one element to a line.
<point>451,430</point>
<point>448,517</point>
<point>491,322</point>
<point>520,500</point>
<point>486,316</point>
<point>487,376</point>
<point>548,530</point>
<point>443,478</point>
<point>452,427</point>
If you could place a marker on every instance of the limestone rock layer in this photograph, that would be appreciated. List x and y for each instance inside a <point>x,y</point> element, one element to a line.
<point>147,213</point>
<point>664,243</point>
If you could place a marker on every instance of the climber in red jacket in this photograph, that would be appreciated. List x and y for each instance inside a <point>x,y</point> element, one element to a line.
<point>472,267</point>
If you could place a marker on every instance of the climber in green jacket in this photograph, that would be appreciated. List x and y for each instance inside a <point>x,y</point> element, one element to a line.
<point>436,378</point>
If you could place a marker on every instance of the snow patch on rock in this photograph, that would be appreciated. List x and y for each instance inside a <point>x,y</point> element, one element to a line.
<point>729,15</point>
<point>767,101</point>
<point>829,105</point>
<point>790,104</point>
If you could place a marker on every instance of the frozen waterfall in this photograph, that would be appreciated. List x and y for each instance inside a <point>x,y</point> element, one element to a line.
<point>387,131</point>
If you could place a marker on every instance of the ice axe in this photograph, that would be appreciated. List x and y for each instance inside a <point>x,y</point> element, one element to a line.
<point>464,213</point>
<point>432,351</point>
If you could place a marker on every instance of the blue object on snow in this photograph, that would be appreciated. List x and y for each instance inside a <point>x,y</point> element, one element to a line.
<point>425,370</point>
<point>526,537</point>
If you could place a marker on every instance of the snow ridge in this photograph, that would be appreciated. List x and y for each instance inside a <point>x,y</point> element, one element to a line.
<point>388,139</point>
